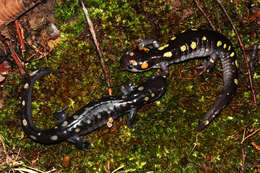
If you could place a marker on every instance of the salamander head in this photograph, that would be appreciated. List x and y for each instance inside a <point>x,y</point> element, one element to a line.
<point>139,60</point>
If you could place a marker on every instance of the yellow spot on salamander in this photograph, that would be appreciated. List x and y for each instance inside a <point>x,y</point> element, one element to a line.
<point>219,43</point>
<point>206,122</point>
<point>144,49</point>
<point>183,31</point>
<point>193,45</point>
<point>163,47</point>
<point>232,54</point>
<point>204,38</point>
<point>194,29</point>
<point>173,38</point>
<point>183,48</point>
<point>131,53</point>
<point>144,65</point>
<point>236,81</point>
<point>133,62</point>
<point>236,63</point>
<point>229,47</point>
<point>225,46</point>
<point>167,54</point>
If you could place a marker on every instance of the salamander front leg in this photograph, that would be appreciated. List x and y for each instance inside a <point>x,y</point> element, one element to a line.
<point>130,120</point>
<point>60,114</point>
<point>207,65</point>
<point>146,42</point>
<point>77,141</point>
<point>127,89</point>
<point>164,68</point>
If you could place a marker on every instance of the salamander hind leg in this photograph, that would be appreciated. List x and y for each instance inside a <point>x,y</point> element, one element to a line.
<point>79,143</point>
<point>131,118</point>
<point>60,114</point>
<point>208,64</point>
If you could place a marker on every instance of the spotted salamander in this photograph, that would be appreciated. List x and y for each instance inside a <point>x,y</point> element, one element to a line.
<point>92,116</point>
<point>186,46</point>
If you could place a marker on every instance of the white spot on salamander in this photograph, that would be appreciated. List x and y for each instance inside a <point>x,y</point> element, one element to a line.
<point>54,138</point>
<point>124,104</point>
<point>77,130</point>
<point>25,123</point>
<point>26,86</point>
<point>141,88</point>
<point>64,124</point>
<point>23,102</point>
<point>211,60</point>
<point>146,98</point>
<point>88,121</point>
<point>75,116</point>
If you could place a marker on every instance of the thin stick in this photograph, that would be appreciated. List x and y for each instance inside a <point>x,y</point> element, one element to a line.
<point>13,54</point>
<point>91,28</point>
<point>243,50</point>
<point>19,34</point>
<point>203,12</point>
<point>242,169</point>
<point>248,136</point>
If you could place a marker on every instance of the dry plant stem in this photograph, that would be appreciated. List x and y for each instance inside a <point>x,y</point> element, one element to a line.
<point>16,58</point>
<point>13,54</point>
<point>203,12</point>
<point>248,136</point>
<point>19,34</point>
<point>6,154</point>
<point>244,53</point>
<point>91,28</point>
<point>242,170</point>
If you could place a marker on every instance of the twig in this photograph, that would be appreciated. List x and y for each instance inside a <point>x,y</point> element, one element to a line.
<point>19,34</point>
<point>242,170</point>
<point>203,12</point>
<point>13,54</point>
<point>243,50</point>
<point>91,28</point>
<point>248,136</point>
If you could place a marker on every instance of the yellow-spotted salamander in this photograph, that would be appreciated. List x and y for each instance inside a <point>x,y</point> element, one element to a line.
<point>91,116</point>
<point>186,46</point>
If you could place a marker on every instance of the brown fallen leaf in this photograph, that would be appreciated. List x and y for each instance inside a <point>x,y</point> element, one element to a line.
<point>66,161</point>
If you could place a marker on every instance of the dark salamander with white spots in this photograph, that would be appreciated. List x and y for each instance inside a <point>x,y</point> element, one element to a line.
<point>186,46</point>
<point>92,116</point>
